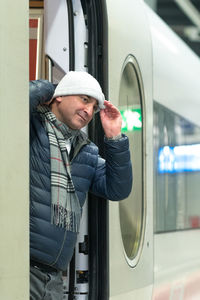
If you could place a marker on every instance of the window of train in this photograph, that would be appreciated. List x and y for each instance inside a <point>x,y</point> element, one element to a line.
<point>131,209</point>
<point>176,171</point>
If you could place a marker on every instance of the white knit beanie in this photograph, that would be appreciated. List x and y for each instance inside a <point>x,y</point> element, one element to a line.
<point>80,83</point>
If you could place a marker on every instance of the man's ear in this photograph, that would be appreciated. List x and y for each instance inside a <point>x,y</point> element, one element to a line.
<point>59,99</point>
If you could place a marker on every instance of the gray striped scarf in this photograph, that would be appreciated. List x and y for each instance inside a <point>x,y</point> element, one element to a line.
<point>65,206</point>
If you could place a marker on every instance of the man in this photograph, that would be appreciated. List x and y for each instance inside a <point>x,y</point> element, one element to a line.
<point>64,166</point>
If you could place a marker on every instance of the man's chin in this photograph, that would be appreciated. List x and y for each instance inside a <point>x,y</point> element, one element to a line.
<point>77,126</point>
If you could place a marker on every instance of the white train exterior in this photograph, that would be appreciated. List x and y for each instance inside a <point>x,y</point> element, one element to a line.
<point>147,246</point>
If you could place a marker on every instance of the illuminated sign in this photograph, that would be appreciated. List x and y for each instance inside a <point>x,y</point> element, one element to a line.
<point>185,158</point>
<point>131,119</point>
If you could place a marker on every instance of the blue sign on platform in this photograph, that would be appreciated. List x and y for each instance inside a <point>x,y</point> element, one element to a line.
<point>184,158</point>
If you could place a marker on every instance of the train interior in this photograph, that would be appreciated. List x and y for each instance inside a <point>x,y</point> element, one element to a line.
<point>65,25</point>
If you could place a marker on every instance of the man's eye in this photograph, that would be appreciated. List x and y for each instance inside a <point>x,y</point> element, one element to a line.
<point>85,99</point>
<point>95,108</point>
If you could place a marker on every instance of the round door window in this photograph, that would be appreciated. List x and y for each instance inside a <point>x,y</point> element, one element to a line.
<point>131,210</point>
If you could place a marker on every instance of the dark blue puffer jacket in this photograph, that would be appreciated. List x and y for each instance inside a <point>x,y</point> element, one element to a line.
<point>110,179</point>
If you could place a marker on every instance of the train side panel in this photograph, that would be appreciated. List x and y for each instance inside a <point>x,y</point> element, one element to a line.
<point>130,78</point>
<point>176,93</point>
<point>14,151</point>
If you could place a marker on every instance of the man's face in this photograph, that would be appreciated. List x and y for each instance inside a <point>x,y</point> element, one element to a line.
<point>76,111</point>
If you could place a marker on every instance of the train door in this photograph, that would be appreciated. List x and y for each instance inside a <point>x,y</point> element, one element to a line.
<point>130,88</point>
<point>110,40</point>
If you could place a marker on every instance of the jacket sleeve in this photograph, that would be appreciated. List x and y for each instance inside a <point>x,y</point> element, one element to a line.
<point>40,91</point>
<point>113,176</point>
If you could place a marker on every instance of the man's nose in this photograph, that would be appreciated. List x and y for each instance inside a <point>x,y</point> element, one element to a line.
<point>89,109</point>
